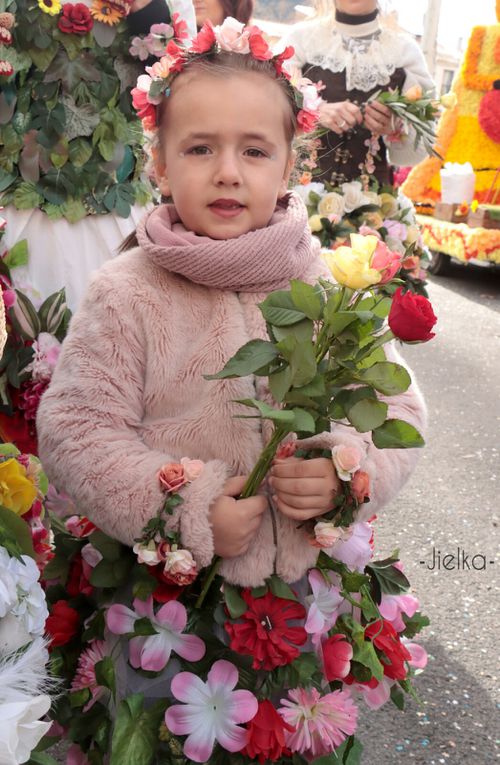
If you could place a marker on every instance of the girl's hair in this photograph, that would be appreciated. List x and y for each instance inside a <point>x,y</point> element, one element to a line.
<point>239,9</point>
<point>226,63</point>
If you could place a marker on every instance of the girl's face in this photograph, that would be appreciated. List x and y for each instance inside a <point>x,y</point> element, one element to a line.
<point>208,10</point>
<point>356,7</point>
<point>226,159</point>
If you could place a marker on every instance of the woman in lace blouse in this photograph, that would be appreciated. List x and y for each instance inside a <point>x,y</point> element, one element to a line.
<point>355,56</point>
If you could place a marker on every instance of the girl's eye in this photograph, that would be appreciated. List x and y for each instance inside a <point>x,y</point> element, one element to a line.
<point>253,152</point>
<point>198,150</point>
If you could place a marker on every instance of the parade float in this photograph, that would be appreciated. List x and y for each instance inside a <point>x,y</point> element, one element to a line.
<point>465,227</point>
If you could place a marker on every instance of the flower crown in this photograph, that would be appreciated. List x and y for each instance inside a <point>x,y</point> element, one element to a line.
<point>234,37</point>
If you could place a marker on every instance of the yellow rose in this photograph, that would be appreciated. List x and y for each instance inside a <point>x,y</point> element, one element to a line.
<point>414,93</point>
<point>315,223</point>
<point>449,100</point>
<point>331,204</point>
<point>350,266</point>
<point>412,235</point>
<point>17,492</point>
<point>389,205</point>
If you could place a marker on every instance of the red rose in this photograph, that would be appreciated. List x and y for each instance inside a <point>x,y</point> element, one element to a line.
<point>62,623</point>
<point>360,486</point>
<point>266,735</point>
<point>337,655</point>
<point>172,477</point>
<point>204,40</point>
<point>394,654</point>
<point>306,121</point>
<point>411,317</point>
<point>264,632</point>
<point>77,581</point>
<point>258,46</point>
<point>75,19</point>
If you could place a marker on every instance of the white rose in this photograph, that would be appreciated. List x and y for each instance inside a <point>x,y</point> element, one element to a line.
<point>303,190</point>
<point>332,204</point>
<point>354,196</point>
<point>179,562</point>
<point>230,36</point>
<point>147,554</point>
<point>21,728</point>
<point>31,606</point>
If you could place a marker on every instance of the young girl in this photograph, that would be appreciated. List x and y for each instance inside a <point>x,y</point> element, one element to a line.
<point>129,393</point>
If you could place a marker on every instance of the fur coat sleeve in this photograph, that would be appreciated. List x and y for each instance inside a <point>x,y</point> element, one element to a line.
<point>89,422</point>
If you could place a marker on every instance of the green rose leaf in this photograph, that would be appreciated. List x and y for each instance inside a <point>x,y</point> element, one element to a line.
<point>280,383</point>
<point>339,321</point>
<point>248,359</point>
<point>135,735</point>
<point>303,331</point>
<point>303,364</point>
<point>283,416</point>
<point>307,299</point>
<point>234,602</point>
<point>397,434</point>
<point>367,414</point>
<point>387,377</point>
<point>279,309</point>
<point>303,421</point>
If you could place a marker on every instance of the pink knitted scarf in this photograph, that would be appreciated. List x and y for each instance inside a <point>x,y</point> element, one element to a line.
<point>261,260</point>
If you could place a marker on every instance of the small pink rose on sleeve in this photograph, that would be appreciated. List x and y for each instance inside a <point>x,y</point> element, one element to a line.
<point>346,461</point>
<point>192,468</point>
<point>360,486</point>
<point>172,477</point>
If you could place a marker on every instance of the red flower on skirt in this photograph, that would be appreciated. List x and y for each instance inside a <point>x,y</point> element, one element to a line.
<point>264,632</point>
<point>394,654</point>
<point>266,735</point>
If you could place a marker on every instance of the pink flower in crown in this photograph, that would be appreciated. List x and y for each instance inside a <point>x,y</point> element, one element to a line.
<point>324,604</point>
<point>211,711</point>
<point>392,607</point>
<point>144,107</point>
<point>172,477</point>
<point>233,36</point>
<point>161,69</point>
<point>204,40</point>
<point>258,46</point>
<point>153,652</point>
<point>85,671</point>
<point>321,723</point>
<point>281,59</point>
<point>346,461</point>
<point>179,25</point>
<point>307,121</point>
<point>386,261</point>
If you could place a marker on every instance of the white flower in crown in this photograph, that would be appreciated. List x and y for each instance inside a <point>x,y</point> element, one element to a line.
<point>233,36</point>
<point>308,89</point>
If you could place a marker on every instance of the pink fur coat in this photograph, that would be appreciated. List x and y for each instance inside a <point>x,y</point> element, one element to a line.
<point>128,394</point>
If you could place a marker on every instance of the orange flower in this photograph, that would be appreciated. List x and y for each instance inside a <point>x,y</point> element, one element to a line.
<point>414,93</point>
<point>104,12</point>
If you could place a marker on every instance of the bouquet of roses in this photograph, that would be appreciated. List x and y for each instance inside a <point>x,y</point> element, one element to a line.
<point>384,212</point>
<point>264,673</point>
<point>24,551</point>
<point>417,109</point>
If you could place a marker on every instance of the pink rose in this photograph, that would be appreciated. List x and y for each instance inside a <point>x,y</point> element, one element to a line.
<point>360,486</point>
<point>326,534</point>
<point>147,554</point>
<point>192,468</point>
<point>180,567</point>
<point>368,231</point>
<point>172,477</point>
<point>410,263</point>
<point>385,261</point>
<point>346,461</point>
<point>233,36</point>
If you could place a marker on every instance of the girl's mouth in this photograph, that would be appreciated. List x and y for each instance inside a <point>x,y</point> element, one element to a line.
<point>226,208</point>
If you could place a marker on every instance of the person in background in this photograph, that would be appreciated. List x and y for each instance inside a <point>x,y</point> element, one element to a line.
<point>217,10</point>
<point>355,56</point>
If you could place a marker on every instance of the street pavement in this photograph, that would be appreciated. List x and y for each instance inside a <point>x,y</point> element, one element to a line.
<point>451,505</point>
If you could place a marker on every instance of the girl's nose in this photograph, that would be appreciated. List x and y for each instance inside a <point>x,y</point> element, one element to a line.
<point>227,172</point>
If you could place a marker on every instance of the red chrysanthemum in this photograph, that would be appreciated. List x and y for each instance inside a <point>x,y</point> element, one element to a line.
<point>266,735</point>
<point>394,654</point>
<point>264,632</point>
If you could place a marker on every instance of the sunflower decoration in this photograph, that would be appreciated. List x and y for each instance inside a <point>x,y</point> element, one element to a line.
<point>104,12</point>
<point>52,7</point>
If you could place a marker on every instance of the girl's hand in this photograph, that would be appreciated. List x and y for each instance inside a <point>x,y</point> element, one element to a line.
<point>340,116</point>
<point>378,118</point>
<point>235,521</point>
<point>304,489</point>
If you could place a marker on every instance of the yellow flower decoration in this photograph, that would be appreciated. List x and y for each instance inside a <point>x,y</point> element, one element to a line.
<point>315,223</point>
<point>17,492</point>
<point>52,7</point>
<point>102,11</point>
<point>350,266</point>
